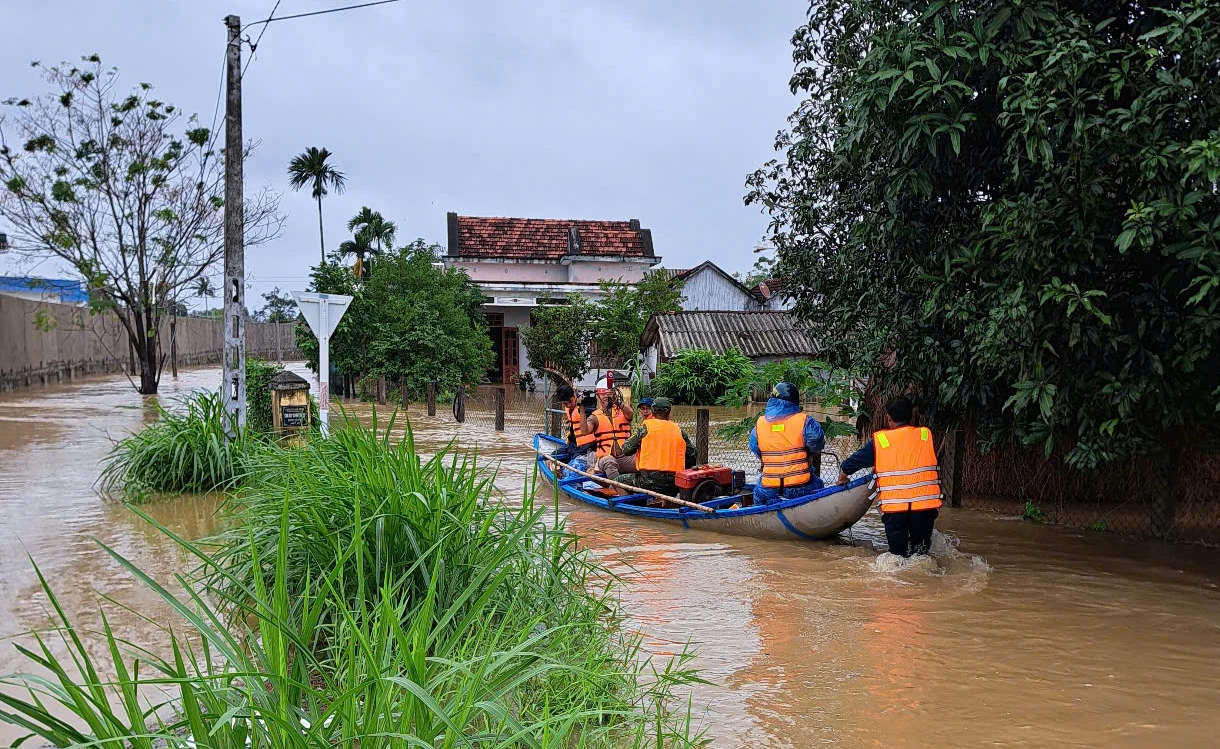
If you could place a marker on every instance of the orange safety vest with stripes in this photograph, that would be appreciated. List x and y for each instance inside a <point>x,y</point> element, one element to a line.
<point>662,448</point>
<point>781,444</point>
<point>908,477</point>
<point>610,432</point>
<point>576,420</point>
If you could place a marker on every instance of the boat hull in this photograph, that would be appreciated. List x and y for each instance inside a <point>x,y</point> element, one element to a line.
<point>821,515</point>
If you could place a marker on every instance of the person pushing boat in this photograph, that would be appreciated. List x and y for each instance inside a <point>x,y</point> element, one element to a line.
<point>787,441</point>
<point>908,479</point>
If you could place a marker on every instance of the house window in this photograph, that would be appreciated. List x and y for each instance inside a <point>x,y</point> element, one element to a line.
<point>494,319</point>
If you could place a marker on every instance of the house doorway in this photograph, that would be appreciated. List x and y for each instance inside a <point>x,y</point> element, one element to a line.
<point>505,344</point>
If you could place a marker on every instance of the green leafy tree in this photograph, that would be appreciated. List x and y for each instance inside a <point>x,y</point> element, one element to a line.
<point>406,320</point>
<point>205,290</point>
<point>427,323</point>
<point>277,307</point>
<point>1015,206</point>
<point>123,188</point>
<point>311,168</point>
<point>558,338</point>
<point>698,377</point>
<point>622,312</point>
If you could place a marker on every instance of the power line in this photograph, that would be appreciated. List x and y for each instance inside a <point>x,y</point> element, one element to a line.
<point>323,12</point>
<point>254,44</point>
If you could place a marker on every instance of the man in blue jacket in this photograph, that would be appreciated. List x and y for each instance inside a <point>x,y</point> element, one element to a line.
<point>791,449</point>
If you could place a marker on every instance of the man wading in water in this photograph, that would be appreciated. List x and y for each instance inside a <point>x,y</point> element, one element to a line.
<point>908,479</point>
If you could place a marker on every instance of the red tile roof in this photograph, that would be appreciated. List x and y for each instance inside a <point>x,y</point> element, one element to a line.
<point>545,239</point>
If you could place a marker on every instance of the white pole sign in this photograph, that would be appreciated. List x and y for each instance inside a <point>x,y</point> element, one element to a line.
<point>323,313</point>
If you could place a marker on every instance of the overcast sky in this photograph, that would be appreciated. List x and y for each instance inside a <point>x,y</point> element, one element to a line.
<point>596,109</point>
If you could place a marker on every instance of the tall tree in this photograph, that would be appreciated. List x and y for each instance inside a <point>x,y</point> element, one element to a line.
<point>360,245</point>
<point>277,307</point>
<point>622,312</point>
<point>379,230</point>
<point>558,337</point>
<point>310,169</point>
<point>1021,203</point>
<point>125,190</point>
<point>204,290</point>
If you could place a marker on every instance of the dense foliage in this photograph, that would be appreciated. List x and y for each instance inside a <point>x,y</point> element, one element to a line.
<point>407,320</point>
<point>1020,202</point>
<point>620,315</point>
<point>558,337</point>
<point>372,599</point>
<point>833,393</point>
<point>124,189</point>
<point>698,377</point>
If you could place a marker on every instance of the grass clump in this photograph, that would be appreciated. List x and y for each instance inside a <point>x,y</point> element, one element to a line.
<point>182,451</point>
<point>373,599</point>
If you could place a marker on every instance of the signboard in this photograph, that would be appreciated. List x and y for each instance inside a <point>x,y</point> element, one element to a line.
<point>322,312</point>
<point>294,416</point>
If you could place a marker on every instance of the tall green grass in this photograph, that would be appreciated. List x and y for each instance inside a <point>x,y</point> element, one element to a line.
<point>182,451</point>
<point>372,599</point>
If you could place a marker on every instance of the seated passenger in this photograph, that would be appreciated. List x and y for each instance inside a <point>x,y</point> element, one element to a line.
<point>580,436</point>
<point>661,449</point>
<point>787,441</point>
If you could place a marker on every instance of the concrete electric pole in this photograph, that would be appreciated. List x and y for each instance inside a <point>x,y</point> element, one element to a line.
<point>233,386</point>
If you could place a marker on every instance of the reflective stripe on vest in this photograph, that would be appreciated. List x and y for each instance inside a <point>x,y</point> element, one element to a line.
<point>576,422</point>
<point>781,444</point>
<point>662,448</point>
<point>908,477</point>
<point>610,432</point>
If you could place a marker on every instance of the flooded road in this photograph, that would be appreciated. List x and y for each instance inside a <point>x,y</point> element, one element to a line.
<point>1023,636</point>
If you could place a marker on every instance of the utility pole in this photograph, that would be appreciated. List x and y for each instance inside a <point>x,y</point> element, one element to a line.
<point>233,386</point>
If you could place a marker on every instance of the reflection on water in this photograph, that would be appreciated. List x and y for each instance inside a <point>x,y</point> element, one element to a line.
<point>1014,635</point>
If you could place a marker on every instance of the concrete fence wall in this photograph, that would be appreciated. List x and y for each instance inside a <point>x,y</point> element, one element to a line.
<point>45,342</point>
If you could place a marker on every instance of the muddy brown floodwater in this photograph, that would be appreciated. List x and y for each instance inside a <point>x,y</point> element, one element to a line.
<point>1020,636</point>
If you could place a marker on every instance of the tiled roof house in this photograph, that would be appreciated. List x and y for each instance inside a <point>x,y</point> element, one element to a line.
<point>521,263</point>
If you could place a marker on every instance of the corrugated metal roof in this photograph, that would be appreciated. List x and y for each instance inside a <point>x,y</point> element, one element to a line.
<point>756,334</point>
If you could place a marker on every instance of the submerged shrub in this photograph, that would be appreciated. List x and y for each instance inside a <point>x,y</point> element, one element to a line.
<point>698,377</point>
<point>180,452</point>
<point>376,599</point>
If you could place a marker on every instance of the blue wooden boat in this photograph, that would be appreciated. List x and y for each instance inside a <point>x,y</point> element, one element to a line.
<point>820,515</point>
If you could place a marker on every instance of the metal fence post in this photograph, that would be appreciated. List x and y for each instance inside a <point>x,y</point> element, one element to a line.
<point>499,409</point>
<point>703,423</point>
<point>432,399</point>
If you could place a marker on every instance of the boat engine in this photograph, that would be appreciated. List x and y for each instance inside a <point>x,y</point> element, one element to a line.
<point>703,483</point>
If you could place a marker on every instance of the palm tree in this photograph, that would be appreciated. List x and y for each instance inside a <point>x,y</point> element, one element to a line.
<point>380,231</point>
<point>310,169</point>
<point>359,245</point>
<point>205,290</point>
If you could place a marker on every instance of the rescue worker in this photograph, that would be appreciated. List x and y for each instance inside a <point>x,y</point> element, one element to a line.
<point>611,466</point>
<point>610,424</point>
<point>661,448</point>
<point>908,479</point>
<point>580,436</point>
<point>788,442</point>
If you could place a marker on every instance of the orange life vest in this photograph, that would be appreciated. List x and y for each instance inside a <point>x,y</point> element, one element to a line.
<point>908,477</point>
<point>785,459</point>
<point>662,448</point>
<point>610,432</point>
<point>576,421</point>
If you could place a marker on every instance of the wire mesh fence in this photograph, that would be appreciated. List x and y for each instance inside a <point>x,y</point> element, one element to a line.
<point>1139,497</point>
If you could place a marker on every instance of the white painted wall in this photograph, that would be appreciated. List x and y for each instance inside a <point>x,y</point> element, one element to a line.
<point>708,290</point>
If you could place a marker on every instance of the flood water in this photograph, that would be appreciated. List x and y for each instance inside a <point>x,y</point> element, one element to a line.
<point>1022,636</point>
